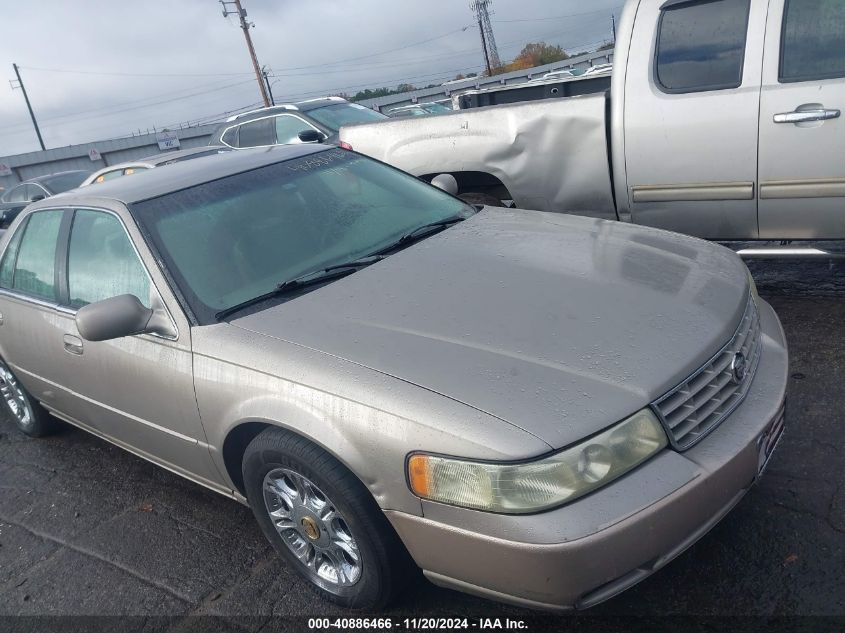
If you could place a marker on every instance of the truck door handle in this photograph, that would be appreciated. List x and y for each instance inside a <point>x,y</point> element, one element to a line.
<point>804,116</point>
<point>73,344</point>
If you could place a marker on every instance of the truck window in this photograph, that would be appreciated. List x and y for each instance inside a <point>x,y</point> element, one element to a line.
<point>812,40</point>
<point>701,45</point>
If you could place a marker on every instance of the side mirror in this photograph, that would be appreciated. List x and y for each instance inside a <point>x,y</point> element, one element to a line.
<point>446,182</point>
<point>311,136</point>
<point>113,318</point>
<point>38,197</point>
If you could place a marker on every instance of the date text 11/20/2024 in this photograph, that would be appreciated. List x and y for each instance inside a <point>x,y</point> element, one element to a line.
<point>417,624</point>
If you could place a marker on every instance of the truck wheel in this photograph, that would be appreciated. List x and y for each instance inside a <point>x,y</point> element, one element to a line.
<point>323,521</point>
<point>481,198</point>
<point>29,416</point>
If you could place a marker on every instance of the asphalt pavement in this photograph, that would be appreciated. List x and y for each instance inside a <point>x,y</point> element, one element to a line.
<point>88,529</point>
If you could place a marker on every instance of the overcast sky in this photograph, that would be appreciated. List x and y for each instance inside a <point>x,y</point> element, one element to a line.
<point>164,62</point>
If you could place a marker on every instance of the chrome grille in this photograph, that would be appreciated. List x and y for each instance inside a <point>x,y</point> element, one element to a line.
<point>697,406</point>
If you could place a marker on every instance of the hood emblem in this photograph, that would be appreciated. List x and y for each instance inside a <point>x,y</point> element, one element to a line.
<point>739,367</point>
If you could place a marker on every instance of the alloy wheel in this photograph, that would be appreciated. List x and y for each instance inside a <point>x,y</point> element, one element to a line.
<point>14,396</point>
<point>312,528</point>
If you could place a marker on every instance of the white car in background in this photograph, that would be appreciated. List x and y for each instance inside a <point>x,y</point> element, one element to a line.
<point>166,158</point>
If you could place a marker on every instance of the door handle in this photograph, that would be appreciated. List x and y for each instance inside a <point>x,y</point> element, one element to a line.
<point>73,344</point>
<point>804,116</point>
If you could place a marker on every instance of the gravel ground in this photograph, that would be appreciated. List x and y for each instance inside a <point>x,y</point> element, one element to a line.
<point>88,529</point>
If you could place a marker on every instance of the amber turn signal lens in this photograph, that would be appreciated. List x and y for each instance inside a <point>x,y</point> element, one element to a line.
<point>418,475</point>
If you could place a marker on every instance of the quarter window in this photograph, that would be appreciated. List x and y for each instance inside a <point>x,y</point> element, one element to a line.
<point>102,262</point>
<point>230,137</point>
<point>701,45</point>
<point>7,268</point>
<point>813,40</point>
<point>35,269</point>
<point>258,133</point>
<point>18,194</point>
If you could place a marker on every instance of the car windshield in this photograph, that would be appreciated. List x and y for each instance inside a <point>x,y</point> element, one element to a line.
<point>336,116</point>
<point>231,240</point>
<point>65,182</point>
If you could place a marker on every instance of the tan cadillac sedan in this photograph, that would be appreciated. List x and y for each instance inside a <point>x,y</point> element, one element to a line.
<point>537,408</point>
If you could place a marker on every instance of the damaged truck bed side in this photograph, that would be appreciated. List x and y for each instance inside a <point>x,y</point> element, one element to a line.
<point>742,144</point>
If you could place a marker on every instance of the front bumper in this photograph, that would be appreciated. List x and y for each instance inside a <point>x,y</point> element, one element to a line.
<point>583,553</point>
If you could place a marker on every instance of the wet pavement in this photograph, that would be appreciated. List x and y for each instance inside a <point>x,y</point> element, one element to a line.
<point>88,529</point>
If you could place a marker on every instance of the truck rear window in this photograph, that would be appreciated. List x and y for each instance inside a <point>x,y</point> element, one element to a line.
<point>701,45</point>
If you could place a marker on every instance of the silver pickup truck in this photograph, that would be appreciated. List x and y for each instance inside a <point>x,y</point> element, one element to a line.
<point>723,121</point>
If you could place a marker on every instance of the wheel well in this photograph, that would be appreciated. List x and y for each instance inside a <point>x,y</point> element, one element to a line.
<point>234,447</point>
<point>477,182</point>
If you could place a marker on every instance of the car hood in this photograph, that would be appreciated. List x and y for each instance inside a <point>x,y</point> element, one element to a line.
<point>557,324</point>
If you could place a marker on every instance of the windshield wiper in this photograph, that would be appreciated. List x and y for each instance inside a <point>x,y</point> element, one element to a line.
<point>330,273</point>
<point>426,230</point>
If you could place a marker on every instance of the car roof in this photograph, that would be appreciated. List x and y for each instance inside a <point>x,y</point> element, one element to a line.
<point>40,179</point>
<point>297,106</point>
<point>153,183</point>
<point>163,157</point>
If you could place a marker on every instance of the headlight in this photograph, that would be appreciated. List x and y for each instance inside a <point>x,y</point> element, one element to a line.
<point>518,488</point>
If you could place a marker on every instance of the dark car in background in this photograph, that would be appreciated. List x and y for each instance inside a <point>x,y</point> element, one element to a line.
<point>38,188</point>
<point>315,120</point>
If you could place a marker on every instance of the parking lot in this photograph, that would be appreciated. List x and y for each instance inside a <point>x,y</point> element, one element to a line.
<point>86,528</point>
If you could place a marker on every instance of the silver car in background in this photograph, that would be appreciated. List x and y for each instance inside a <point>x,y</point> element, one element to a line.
<point>151,162</point>
<point>541,409</point>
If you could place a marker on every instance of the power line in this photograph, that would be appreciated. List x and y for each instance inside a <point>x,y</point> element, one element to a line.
<point>122,74</point>
<point>93,114</point>
<point>392,50</point>
<point>561,17</point>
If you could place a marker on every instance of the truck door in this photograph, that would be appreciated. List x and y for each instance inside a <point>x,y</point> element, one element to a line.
<point>802,124</point>
<point>692,94</point>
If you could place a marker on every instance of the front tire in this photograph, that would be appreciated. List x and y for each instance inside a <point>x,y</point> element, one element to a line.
<point>27,414</point>
<point>323,521</point>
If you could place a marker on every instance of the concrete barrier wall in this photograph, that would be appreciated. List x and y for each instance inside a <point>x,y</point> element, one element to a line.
<point>582,62</point>
<point>25,166</point>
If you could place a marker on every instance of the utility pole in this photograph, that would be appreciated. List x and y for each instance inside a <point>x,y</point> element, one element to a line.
<point>482,11</point>
<point>241,13</point>
<point>484,46</point>
<point>269,87</point>
<point>28,106</point>
<point>613,26</point>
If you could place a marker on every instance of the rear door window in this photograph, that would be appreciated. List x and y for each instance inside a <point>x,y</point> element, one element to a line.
<point>35,268</point>
<point>701,45</point>
<point>258,133</point>
<point>813,40</point>
<point>108,175</point>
